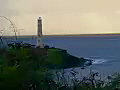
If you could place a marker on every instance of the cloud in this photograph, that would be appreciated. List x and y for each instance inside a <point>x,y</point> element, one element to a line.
<point>6,9</point>
<point>61,6</point>
<point>64,16</point>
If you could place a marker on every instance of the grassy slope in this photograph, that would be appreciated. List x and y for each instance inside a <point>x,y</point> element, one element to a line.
<point>59,58</point>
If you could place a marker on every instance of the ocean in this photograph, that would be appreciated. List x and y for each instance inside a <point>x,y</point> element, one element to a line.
<point>103,50</point>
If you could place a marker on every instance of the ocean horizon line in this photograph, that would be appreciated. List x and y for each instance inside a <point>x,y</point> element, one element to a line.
<point>101,34</point>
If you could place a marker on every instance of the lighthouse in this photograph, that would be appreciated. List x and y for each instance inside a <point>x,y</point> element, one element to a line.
<point>39,33</point>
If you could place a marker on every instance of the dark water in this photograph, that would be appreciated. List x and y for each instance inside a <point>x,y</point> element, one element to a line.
<point>104,50</point>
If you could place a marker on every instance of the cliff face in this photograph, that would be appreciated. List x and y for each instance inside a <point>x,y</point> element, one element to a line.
<point>59,58</point>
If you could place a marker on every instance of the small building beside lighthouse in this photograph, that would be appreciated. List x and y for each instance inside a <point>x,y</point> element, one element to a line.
<point>39,33</point>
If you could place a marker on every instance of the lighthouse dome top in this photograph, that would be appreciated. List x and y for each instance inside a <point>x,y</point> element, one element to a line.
<point>40,18</point>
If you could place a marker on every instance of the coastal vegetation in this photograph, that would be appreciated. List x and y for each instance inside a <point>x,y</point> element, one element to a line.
<point>24,67</point>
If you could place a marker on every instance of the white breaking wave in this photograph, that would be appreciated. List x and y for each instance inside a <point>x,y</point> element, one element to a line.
<point>98,61</point>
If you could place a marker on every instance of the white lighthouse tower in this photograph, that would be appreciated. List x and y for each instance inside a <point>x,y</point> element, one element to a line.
<point>39,41</point>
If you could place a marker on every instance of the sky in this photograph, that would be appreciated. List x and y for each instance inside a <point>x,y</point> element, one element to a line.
<point>62,16</point>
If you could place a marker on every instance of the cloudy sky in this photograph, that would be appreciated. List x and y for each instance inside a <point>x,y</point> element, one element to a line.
<point>63,16</point>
